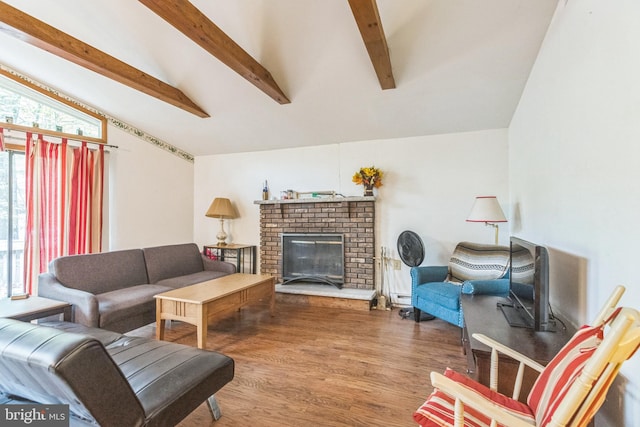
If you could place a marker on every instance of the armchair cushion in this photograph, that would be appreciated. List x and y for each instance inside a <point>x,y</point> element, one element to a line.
<point>438,410</point>
<point>441,293</point>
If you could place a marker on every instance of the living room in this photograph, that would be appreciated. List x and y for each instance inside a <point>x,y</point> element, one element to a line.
<point>569,143</point>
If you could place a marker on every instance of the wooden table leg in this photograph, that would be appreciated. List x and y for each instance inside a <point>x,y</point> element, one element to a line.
<point>202,323</point>
<point>159,320</point>
<point>66,314</point>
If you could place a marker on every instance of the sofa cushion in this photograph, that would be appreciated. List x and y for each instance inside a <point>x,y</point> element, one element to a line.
<point>101,272</point>
<point>123,303</point>
<point>164,262</point>
<point>475,261</point>
<point>191,279</point>
<point>445,294</point>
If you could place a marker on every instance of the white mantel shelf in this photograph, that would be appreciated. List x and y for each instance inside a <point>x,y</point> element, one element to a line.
<point>316,200</point>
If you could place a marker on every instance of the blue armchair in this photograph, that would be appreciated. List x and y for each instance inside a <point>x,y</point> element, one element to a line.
<point>473,269</point>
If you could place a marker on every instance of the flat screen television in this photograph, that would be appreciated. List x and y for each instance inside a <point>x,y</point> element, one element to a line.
<point>527,305</point>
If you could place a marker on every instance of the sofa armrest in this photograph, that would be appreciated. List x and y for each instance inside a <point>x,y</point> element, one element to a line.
<point>216,265</point>
<point>428,274</point>
<point>85,304</point>
<point>486,287</point>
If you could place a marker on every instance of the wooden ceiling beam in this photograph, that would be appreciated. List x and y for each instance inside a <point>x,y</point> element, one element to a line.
<point>368,19</point>
<point>35,32</point>
<point>187,19</point>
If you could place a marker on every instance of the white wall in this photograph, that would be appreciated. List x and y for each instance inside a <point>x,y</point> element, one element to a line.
<point>574,164</point>
<point>150,195</point>
<point>429,187</point>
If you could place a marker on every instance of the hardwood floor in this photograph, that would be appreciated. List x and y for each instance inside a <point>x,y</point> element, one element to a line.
<point>319,366</point>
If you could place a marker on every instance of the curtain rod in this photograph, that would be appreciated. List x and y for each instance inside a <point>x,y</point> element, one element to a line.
<point>17,138</point>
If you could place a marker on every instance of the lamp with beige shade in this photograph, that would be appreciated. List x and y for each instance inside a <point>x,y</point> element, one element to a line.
<point>222,209</point>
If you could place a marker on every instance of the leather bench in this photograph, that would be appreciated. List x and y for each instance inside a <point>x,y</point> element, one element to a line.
<point>107,378</point>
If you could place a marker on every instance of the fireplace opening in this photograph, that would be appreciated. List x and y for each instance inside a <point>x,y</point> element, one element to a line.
<point>309,257</point>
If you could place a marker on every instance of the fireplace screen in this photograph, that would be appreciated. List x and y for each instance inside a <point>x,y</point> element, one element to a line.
<point>313,258</point>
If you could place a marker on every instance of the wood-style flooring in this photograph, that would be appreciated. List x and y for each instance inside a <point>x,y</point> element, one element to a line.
<point>320,366</point>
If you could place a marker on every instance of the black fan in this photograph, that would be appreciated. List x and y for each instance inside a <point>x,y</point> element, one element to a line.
<point>411,251</point>
<point>410,248</point>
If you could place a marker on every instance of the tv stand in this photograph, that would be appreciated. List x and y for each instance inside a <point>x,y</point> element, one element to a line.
<point>513,316</point>
<point>482,315</point>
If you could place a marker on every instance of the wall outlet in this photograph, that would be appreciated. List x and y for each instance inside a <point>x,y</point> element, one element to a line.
<point>396,264</point>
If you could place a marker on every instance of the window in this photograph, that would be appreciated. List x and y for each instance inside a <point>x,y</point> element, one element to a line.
<point>12,222</point>
<point>24,106</point>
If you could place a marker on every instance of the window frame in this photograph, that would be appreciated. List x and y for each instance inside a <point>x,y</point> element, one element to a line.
<point>23,82</point>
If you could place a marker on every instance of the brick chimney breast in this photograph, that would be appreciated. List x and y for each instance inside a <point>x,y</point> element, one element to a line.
<point>352,216</point>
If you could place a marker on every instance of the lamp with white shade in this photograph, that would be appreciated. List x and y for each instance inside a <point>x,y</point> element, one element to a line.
<point>487,209</point>
<point>222,209</point>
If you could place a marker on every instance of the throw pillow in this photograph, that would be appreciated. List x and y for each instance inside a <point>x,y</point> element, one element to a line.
<point>475,261</point>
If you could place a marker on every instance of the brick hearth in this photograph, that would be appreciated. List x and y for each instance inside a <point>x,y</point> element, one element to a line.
<point>352,216</point>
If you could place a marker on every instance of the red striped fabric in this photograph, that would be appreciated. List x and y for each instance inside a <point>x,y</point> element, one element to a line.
<point>438,410</point>
<point>64,203</point>
<point>554,382</point>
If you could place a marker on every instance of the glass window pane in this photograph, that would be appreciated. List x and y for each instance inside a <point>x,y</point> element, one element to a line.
<point>19,213</point>
<point>4,223</point>
<point>24,106</point>
<point>12,222</point>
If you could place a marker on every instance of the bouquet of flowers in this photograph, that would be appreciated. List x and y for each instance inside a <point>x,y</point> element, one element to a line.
<point>369,177</point>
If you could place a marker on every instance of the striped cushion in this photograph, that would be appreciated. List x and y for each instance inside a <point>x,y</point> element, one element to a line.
<point>554,382</point>
<point>438,410</point>
<point>474,261</point>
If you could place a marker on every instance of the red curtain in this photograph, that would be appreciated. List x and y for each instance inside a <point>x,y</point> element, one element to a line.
<point>64,203</point>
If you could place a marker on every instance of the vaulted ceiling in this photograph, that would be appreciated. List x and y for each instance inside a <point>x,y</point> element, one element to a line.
<point>224,76</point>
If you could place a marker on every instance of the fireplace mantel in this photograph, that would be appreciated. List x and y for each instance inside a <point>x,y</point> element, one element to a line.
<point>316,200</point>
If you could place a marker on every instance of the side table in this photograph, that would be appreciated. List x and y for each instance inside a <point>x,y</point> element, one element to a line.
<point>34,307</point>
<point>238,253</point>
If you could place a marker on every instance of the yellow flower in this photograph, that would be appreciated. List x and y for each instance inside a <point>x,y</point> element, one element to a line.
<point>368,176</point>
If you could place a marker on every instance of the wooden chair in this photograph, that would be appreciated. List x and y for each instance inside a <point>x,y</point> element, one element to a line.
<point>568,391</point>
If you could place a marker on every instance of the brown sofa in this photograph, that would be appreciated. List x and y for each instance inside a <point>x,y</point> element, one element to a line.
<point>106,378</point>
<point>114,290</point>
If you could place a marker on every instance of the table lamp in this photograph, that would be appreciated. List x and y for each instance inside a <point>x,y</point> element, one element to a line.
<point>221,208</point>
<point>487,209</point>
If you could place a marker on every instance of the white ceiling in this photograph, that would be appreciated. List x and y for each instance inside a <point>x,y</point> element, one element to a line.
<point>459,65</point>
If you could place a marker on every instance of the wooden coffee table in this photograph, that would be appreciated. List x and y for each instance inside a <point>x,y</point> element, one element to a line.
<point>200,303</point>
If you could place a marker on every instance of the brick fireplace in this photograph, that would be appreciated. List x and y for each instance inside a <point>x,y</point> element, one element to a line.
<point>353,217</point>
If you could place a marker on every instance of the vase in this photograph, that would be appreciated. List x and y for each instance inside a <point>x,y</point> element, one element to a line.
<point>368,190</point>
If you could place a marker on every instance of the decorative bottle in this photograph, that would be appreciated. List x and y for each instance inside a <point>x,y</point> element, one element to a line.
<point>265,191</point>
